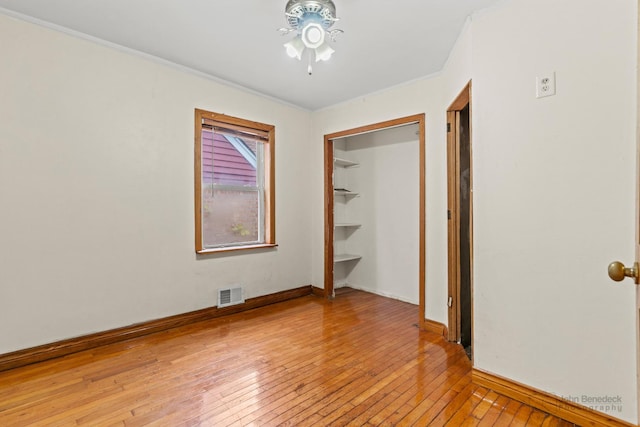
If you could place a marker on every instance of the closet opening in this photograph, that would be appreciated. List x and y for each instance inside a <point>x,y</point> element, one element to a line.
<point>375,210</point>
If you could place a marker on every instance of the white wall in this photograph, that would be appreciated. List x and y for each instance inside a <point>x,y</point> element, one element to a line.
<point>96,190</point>
<point>554,196</point>
<point>387,179</point>
<point>416,97</point>
<point>554,190</point>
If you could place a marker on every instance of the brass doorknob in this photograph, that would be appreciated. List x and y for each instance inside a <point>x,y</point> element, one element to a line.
<point>617,271</point>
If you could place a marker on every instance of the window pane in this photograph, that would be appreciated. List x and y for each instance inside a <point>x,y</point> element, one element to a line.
<point>229,217</point>
<point>228,160</point>
<point>234,183</point>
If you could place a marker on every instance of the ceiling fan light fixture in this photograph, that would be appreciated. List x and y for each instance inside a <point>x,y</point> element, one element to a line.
<point>311,21</point>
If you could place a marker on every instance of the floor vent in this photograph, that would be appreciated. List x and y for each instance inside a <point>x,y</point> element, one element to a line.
<point>229,296</point>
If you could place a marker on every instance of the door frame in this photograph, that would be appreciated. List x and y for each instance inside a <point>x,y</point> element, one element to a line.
<point>637,216</point>
<point>453,212</point>
<point>418,119</point>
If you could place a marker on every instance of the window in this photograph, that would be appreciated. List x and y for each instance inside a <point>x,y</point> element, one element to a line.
<point>234,183</point>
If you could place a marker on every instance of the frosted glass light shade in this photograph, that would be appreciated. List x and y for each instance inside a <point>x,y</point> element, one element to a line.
<point>295,48</point>
<point>324,52</point>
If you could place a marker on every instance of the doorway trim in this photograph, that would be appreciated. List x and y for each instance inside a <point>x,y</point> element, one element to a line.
<point>453,212</point>
<point>418,119</point>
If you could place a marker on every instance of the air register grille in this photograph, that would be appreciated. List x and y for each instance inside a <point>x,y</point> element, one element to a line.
<point>230,296</point>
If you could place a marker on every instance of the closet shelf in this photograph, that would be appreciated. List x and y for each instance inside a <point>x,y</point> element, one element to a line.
<point>346,224</point>
<point>345,257</point>
<point>344,162</point>
<point>345,193</point>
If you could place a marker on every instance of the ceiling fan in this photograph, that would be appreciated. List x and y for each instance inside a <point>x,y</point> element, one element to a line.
<point>311,20</point>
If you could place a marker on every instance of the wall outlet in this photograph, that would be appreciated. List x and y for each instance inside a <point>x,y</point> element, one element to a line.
<point>546,85</point>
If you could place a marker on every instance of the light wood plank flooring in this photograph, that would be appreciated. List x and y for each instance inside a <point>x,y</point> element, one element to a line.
<point>359,360</point>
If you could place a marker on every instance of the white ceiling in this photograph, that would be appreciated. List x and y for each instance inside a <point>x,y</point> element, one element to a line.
<point>385,42</point>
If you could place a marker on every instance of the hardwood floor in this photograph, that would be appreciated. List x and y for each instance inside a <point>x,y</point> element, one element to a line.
<point>358,360</point>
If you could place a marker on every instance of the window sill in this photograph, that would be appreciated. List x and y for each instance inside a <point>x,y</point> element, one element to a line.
<point>236,248</point>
